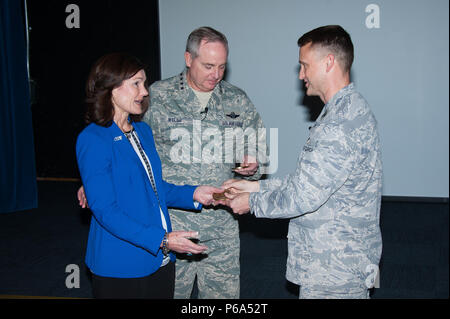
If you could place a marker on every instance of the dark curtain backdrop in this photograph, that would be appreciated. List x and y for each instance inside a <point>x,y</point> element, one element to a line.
<point>60,60</point>
<point>17,162</point>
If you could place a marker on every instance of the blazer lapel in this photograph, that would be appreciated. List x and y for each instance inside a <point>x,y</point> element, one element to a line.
<point>121,143</point>
<point>124,147</point>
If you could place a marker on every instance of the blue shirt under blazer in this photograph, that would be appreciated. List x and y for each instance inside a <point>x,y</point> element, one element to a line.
<point>126,228</point>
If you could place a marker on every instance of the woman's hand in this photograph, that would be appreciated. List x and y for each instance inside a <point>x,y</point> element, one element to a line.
<point>204,194</point>
<point>82,198</point>
<point>179,242</point>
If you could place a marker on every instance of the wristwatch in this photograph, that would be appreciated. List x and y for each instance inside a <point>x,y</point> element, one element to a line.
<point>165,248</point>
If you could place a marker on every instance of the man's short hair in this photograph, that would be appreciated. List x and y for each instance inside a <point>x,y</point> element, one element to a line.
<point>204,33</point>
<point>333,38</point>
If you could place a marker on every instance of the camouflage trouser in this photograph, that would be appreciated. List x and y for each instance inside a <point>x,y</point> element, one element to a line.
<point>330,292</point>
<point>217,274</point>
<point>218,270</point>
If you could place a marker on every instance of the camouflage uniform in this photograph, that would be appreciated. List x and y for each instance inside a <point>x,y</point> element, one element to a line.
<point>333,198</point>
<point>178,123</point>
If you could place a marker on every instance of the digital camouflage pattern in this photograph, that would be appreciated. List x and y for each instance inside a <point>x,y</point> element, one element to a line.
<point>196,147</point>
<point>333,198</point>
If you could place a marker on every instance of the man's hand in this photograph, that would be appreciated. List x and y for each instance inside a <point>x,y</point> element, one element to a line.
<point>238,194</point>
<point>249,166</point>
<point>241,186</point>
<point>179,242</point>
<point>239,204</point>
<point>237,201</point>
<point>203,194</point>
<point>82,198</point>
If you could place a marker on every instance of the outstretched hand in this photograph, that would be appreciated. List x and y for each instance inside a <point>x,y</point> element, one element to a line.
<point>237,195</point>
<point>239,203</point>
<point>241,186</point>
<point>204,194</point>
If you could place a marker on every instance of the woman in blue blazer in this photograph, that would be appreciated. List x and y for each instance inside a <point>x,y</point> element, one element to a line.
<point>130,236</point>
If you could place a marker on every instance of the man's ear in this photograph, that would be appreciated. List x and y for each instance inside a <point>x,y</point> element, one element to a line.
<point>330,62</point>
<point>188,59</point>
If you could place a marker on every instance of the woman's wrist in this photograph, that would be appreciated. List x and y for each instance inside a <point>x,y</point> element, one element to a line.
<point>165,244</point>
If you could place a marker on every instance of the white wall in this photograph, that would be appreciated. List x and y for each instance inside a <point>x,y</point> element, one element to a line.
<point>401,68</point>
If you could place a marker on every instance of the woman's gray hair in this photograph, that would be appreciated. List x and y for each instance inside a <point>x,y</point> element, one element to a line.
<point>204,33</point>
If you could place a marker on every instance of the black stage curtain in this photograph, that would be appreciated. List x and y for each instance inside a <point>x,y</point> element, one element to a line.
<point>66,38</point>
<point>17,162</point>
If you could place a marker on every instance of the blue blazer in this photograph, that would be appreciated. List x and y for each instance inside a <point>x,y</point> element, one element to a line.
<point>126,229</point>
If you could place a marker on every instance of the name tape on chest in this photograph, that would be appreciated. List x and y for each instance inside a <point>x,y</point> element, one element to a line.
<point>226,123</point>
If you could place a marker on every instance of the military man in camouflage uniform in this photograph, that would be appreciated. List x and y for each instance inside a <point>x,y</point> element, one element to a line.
<point>334,195</point>
<point>195,117</point>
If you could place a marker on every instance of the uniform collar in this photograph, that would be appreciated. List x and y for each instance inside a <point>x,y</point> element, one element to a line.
<point>340,94</point>
<point>336,99</point>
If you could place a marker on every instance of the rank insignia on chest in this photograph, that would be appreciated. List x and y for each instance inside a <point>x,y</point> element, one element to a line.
<point>233,115</point>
